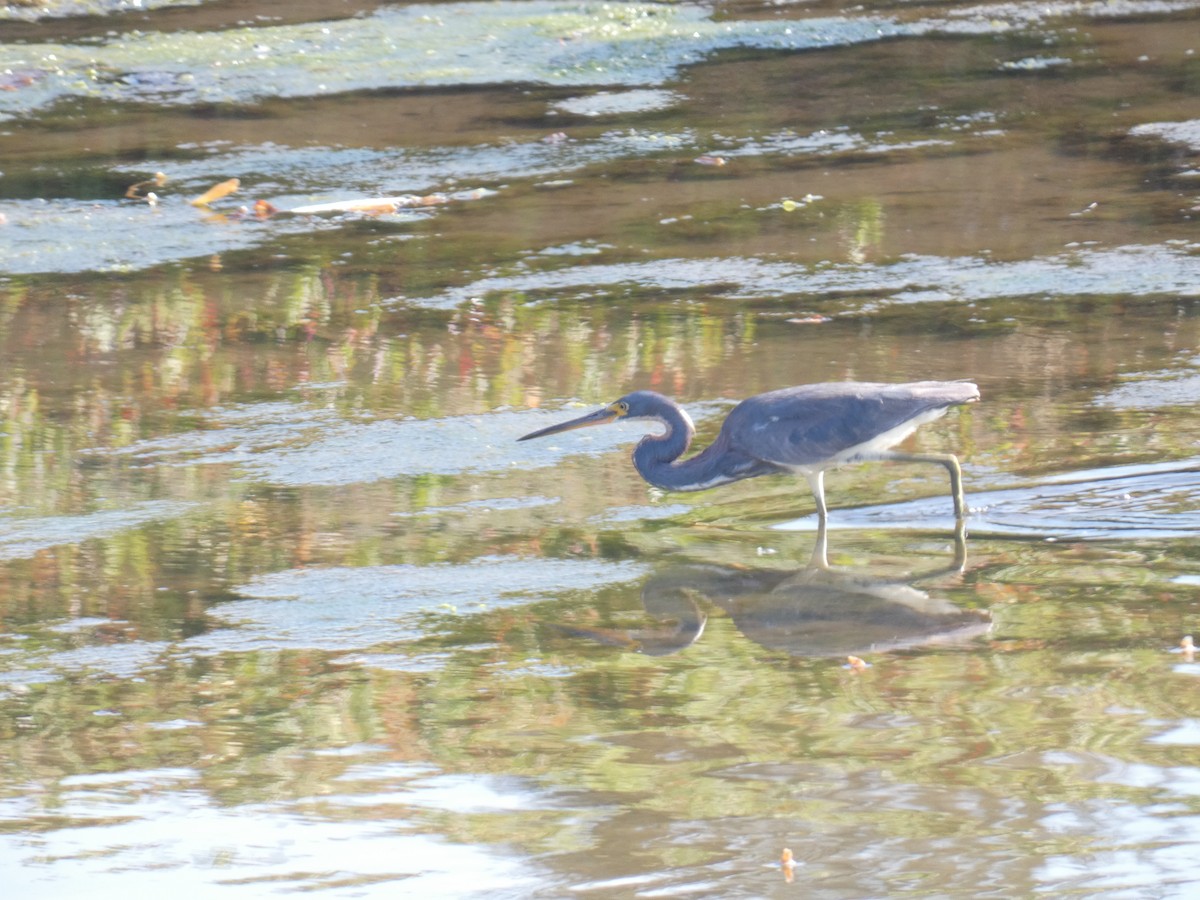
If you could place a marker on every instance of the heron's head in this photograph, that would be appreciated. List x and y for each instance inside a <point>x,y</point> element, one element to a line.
<point>638,405</point>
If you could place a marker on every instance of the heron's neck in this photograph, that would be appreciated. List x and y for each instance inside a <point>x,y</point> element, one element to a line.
<point>656,456</point>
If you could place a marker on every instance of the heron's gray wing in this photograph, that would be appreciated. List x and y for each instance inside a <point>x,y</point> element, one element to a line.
<point>808,425</point>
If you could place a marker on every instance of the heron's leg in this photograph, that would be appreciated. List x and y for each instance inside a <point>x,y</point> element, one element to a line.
<point>816,480</point>
<point>949,460</point>
<point>820,551</point>
<point>960,545</point>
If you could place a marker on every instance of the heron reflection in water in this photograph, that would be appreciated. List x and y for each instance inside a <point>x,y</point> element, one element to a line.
<point>805,430</point>
<point>816,611</point>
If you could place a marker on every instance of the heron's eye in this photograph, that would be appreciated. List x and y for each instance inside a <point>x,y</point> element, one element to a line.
<point>621,407</point>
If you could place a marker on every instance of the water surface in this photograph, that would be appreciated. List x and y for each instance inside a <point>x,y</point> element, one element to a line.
<point>284,606</point>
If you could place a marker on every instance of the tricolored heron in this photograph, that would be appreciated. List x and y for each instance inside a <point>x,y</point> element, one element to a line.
<point>804,430</point>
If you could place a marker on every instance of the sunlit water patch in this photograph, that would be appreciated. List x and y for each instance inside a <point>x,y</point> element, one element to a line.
<point>48,9</point>
<point>1185,132</point>
<point>475,793</point>
<point>84,647</point>
<point>1158,391</point>
<point>70,235</point>
<point>605,44</point>
<point>827,142</point>
<point>1173,269</point>
<point>347,609</point>
<point>293,176</point>
<point>1186,733</point>
<point>157,832</point>
<point>612,103</point>
<point>23,537</point>
<point>388,449</point>
<point>232,434</point>
<point>124,660</point>
<point>1003,16</point>
<point>1132,851</point>
<point>239,435</point>
<point>293,444</point>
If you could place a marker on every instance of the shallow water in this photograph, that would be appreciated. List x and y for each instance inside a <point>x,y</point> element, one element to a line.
<point>285,607</point>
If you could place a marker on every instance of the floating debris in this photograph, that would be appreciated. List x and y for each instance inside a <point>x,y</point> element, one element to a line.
<point>373,206</point>
<point>790,205</point>
<point>1187,647</point>
<point>814,319</point>
<point>381,205</point>
<point>217,191</point>
<point>134,191</point>
<point>788,864</point>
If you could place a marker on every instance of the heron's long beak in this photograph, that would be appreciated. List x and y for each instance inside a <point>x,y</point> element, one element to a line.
<point>599,417</point>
